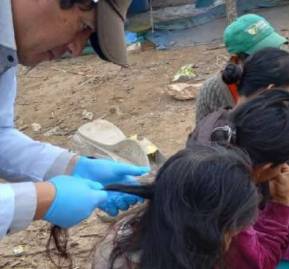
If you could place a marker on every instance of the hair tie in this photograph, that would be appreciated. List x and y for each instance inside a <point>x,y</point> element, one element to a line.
<point>228,134</point>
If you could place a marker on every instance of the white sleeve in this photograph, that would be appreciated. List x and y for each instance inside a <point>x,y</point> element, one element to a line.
<point>18,204</point>
<point>21,158</point>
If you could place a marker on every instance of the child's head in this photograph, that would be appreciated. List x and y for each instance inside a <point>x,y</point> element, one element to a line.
<point>260,126</point>
<point>250,33</point>
<point>265,69</point>
<point>200,199</point>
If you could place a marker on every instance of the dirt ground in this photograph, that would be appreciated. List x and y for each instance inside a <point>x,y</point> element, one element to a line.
<point>55,95</point>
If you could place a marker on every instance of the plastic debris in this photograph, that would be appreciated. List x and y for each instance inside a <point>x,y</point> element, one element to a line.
<point>185,73</point>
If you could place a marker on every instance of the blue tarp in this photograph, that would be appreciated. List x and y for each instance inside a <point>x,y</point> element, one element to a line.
<point>263,3</point>
<point>138,6</point>
<point>204,3</point>
<point>183,32</point>
<point>130,38</point>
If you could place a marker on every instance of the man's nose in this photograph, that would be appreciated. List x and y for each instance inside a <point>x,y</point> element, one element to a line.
<point>76,46</point>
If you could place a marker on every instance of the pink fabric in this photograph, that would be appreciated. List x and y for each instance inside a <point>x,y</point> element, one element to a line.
<point>262,245</point>
<point>286,255</point>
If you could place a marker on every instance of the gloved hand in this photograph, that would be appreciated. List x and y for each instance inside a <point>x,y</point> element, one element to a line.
<point>74,200</point>
<point>120,201</point>
<point>107,171</point>
<point>111,172</point>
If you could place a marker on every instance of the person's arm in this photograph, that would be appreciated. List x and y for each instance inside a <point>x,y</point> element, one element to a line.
<point>21,158</point>
<point>55,201</point>
<point>21,203</point>
<point>262,245</point>
<point>17,206</point>
<point>63,201</point>
<point>45,195</point>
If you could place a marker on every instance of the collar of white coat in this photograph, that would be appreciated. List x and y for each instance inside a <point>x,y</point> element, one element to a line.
<point>7,38</point>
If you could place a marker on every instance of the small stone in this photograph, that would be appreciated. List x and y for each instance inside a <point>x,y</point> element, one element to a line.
<point>134,48</point>
<point>86,115</point>
<point>36,127</point>
<point>18,251</point>
<point>115,110</point>
<point>55,131</point>
<point>184,91</point>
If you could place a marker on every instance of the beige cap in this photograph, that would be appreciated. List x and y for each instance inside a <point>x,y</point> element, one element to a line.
<point>109,39</point>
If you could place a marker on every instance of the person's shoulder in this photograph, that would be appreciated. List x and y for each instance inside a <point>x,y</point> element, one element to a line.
<point>212,96</point>
<point>212,89</point>
<point>213,81</point>
<point>214,118</point>
<point>213,84</point>
<point>204,128</point>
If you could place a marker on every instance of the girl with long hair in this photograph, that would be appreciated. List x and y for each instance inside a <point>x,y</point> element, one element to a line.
<point>200,199</point>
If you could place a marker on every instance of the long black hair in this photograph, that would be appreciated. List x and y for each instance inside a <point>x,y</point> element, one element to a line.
<point>198,196</point>
<point>266,67</point>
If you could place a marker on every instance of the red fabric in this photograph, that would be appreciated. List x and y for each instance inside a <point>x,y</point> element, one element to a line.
<point>234,92</point>
<point>262,245</point>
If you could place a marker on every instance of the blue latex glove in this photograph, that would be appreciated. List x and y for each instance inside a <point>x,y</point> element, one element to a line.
<point>120,201</point>
<point>107,171</point>
<point>74,200</point>
<point>111,172</point>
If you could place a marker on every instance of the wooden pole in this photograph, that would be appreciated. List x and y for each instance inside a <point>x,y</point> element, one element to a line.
<point>231,10</point>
